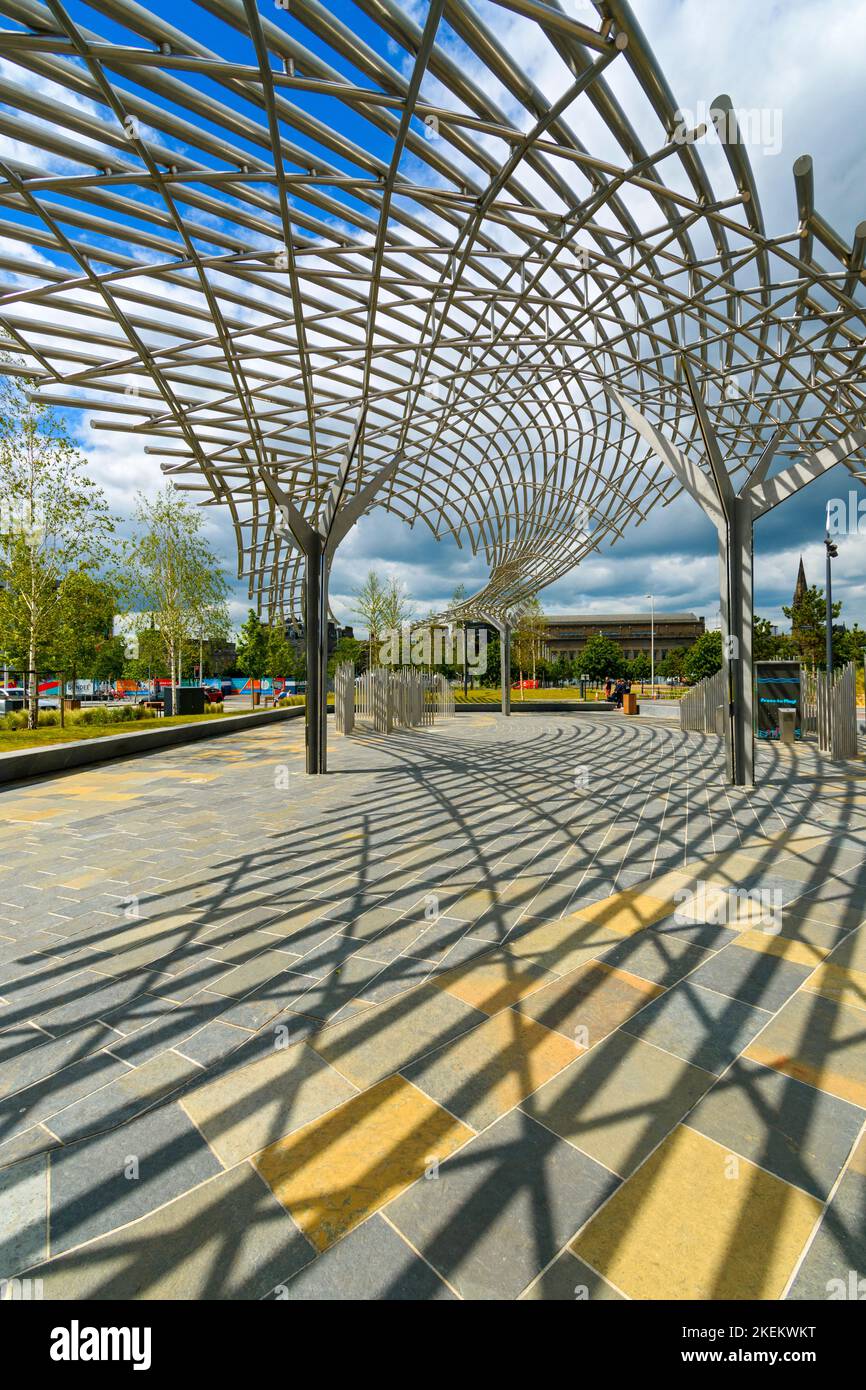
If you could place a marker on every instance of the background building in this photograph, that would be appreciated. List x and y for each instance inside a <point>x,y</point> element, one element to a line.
<point>296,635</point>
<point>568,634</point>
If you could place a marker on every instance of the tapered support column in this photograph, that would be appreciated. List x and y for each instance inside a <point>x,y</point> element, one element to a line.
<point>505,664</point>
<point>316,624</point>
<point>736,550</point>
<point>318,543</point>
<point>503,627</point>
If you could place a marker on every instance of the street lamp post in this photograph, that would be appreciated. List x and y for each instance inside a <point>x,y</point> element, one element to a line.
<point>652,600</point>
<point>832,552</point>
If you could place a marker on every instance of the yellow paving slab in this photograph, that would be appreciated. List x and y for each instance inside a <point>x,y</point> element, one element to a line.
<point>693,1222</point>
<point>666,884</point>
<point>493,1067</point>
<point>563,944</point>
<point>817,1040</point>
<point>837,982</point>
<point>493,982</point>
<point>797,952</point>
<point>628,912</point>
<point>97,794</point>
<point>858,1157</point>
<point>335,1171</point>
<point>85,880</point>
<point>479,900</point>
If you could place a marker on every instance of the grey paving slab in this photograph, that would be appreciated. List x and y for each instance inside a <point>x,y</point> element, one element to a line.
<point>101,1183</point>
<point>756,977</point>
<point>834,1266</point>
<point>709,936</point>
<point>569,1279</point>
<point>124,1097</point>
<point>372,1262</point>
<point>54,1092</point>
<point>795,1131</point>
<point>227,1239</point>
<point>212,1043</point>
<point>618,1101</point>
<point>23,1215</point>
<point>31,1141</point>
<point>699,1025</point>
<point>661,957</point>
<point>483,1222</point>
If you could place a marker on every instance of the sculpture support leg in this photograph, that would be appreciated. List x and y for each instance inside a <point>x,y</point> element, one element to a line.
<point>736,564</point>
<point>505,665</point>
<point>316,619</point>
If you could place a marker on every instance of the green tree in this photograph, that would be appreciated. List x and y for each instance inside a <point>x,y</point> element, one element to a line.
<point>672,665</point>
<point>54,522</point>
<point>396,608</point>
<point>703,657</point>
<point>640,667</point>
<point>369,605</point>
<point>150,657</point>
<point>86,610</point>
<point>347,649</point>
<point>110,660</point>
<point>600,658</point>
<point>528,639</point>
<point>809,626</point>
<point>560,669</point>
<point>768,645</point>
<point>253,650</point>
<point>850,646</point>
<point>174,576</point>
<point>281,653</point>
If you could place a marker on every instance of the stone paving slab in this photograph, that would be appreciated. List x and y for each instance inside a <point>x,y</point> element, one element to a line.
<point>438,1025</point>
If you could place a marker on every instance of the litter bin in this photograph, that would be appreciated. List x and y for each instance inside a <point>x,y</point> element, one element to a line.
<point>787,723</point>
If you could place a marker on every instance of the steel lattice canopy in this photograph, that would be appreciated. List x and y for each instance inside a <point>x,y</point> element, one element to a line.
<point>253,251</point>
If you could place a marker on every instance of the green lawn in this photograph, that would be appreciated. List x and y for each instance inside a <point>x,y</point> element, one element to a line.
<point>493,695</point>
<point>14,740</point>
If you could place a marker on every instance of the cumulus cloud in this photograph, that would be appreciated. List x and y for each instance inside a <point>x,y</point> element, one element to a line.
<point>802,59</point>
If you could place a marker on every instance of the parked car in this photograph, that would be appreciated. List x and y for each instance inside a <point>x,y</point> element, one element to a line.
<point>212,695</point>
<point>11,698</point>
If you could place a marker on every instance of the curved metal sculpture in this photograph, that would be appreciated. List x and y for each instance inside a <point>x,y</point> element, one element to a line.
<point>314,279</point>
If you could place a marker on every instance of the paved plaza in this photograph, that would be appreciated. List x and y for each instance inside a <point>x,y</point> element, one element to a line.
<point>529,1008</point>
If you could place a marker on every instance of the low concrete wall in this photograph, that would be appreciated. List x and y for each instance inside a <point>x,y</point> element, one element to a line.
<point>60,757</point>
<point>540,707</point>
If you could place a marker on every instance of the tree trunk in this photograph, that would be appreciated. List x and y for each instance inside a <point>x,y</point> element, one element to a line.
<point>33,703</point>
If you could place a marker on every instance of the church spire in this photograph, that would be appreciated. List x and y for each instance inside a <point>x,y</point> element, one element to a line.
<point>801,586</point>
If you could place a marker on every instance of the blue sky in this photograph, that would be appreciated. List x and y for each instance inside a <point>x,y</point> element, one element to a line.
<point>801,59</point>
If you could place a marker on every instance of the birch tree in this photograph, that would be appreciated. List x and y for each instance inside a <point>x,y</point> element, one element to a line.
<point>54,524</point>
<point>175,579</point>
